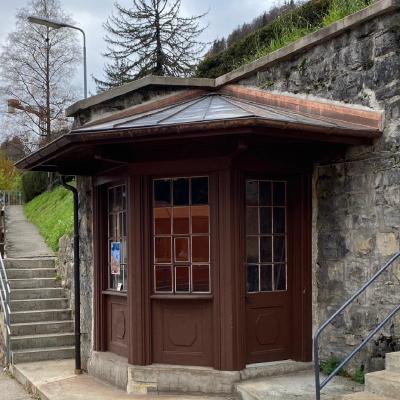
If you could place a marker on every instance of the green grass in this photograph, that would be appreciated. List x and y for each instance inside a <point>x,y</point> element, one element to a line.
<point>285,29</point>
<point>52,213</point>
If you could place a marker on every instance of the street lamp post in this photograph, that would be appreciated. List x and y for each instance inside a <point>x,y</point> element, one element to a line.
<point>57,25</point>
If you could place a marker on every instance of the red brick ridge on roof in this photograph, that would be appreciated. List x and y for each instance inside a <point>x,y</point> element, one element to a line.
<point>367,118</point>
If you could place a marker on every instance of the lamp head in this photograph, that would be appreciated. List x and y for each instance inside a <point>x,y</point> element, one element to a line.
<point>46,22</point>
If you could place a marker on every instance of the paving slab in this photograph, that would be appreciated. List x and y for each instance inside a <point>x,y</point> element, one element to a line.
<point>55,380</point>
<point>23,239</point>
<point>11,389</point>
<point>299,386</point>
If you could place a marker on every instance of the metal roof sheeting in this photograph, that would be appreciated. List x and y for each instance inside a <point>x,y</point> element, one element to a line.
<point>217,107</point>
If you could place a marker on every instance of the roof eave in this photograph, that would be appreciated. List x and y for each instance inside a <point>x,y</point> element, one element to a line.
<point>286,130</point>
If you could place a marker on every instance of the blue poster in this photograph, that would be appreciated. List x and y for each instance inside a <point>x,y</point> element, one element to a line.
<point>115,258</point>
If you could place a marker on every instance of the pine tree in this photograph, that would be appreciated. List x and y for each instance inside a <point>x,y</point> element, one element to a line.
<point>150,38</point>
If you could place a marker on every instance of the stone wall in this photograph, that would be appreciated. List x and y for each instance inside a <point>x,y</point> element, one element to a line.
<point>65,267</point>
<point>356,198</point>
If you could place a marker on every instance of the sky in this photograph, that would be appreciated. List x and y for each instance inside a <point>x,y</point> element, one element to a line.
<point>223,16</point>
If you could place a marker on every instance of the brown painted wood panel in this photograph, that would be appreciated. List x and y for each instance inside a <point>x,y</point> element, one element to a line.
<point>117,325</point>
<point>182,332</point>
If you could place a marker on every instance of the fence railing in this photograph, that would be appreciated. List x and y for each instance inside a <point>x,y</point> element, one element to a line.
<point>320,385</point>
<point>5,296</point>
<point>2,231</point>
<point>10,198</point>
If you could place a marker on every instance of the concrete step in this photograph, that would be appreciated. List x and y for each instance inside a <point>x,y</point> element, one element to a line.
<point>21,317</point>
<point>38,304</point>
<point>363,396</point>
<point>24,273</point>
<point>392,362</point>
<point>34,283</point>
<point>42,341</point>
<point>384,383</point>
<point>39,293</point>
<point>299,386</point>
<point>50,353</point>
<point>43,327</point>
<point>30,263</point>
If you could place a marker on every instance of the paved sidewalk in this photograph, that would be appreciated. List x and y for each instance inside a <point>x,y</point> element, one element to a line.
<point>10,389</point>
<point>55,380</point>
<point>22,238</point>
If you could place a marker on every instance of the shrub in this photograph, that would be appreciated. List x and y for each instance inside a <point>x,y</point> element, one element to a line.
<point>33,183</point>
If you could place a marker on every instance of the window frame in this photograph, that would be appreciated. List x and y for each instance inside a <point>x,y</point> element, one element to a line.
<point>173,263</point>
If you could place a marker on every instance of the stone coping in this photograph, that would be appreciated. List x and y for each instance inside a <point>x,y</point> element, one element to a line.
<point>381,7</point>
<point>322,35</point>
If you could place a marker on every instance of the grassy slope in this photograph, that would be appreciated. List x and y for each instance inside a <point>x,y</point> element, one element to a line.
<point>285,29</point>
<point>52,213</point>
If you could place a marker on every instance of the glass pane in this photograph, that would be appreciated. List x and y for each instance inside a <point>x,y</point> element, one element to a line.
<point>118,199</point>
<point>125,283</point>
<point>252,278</point>
<point>111,226</point>
<point>279,249</point>
<point>181,220</point>
<point>110,199</point>
<point>266,249</point>
<point>162,250</point>
<point>182,279</point>
<point>182,249</point>
<point>265,193</point>
<point>124,251</point>
<point>252,193</point>
<point>266,278</point>
<point>266,220</point>
<point>252,220</point>
<point>200,219</point>
<point>279,220</point>
<point>122,224</point>
<point>279,193</point>
<point>200,278</point>
<point>200,249</point>
<point>163,278</point>
<point>181,192</point>
<point>123,197</point>
<point>252,249</point>
<point>200,190</point>
<point>162,192</point>
<point>162,221</point>
<point>280,276</point>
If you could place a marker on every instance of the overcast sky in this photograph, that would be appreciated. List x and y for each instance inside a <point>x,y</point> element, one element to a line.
<point>223,17</point>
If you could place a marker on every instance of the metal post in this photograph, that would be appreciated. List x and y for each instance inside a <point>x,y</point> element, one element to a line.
<point>78,369</point>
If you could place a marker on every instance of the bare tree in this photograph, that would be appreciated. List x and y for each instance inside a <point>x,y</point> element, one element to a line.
<point>150,38</point>
<point>37,65</point>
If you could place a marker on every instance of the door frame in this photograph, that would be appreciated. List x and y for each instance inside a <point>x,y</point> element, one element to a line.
<point>300,236</point>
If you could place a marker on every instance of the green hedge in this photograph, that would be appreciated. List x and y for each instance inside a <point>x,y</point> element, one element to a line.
<point>285,29</point>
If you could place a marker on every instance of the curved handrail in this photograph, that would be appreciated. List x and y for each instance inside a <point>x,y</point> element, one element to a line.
<point>320,385</point>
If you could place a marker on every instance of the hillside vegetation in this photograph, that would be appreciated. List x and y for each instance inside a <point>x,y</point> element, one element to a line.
<point>52,213</point>
<point>284,29</point>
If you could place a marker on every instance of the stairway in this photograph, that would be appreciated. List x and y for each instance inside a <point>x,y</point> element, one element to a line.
<point>381,385</point>
<point>41,320</point>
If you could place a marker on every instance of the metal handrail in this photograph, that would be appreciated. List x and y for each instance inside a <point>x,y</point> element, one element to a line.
<point>5,297</point>
<point>320,385</point>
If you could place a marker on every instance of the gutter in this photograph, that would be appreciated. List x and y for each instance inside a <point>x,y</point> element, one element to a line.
<point>78,368</point>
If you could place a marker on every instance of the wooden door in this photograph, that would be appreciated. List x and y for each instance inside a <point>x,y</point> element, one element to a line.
<point>182,327</point>
<point>268,274</point>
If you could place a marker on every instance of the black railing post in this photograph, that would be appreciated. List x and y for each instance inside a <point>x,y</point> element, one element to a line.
<point>78,368</point>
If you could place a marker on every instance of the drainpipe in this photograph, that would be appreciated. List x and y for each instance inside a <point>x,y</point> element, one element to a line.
<point>78,369</point>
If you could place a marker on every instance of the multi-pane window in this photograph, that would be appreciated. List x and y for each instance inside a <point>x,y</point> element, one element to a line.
<point>117,244</point>
<point>181,235</point>
<point>266,236</point>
